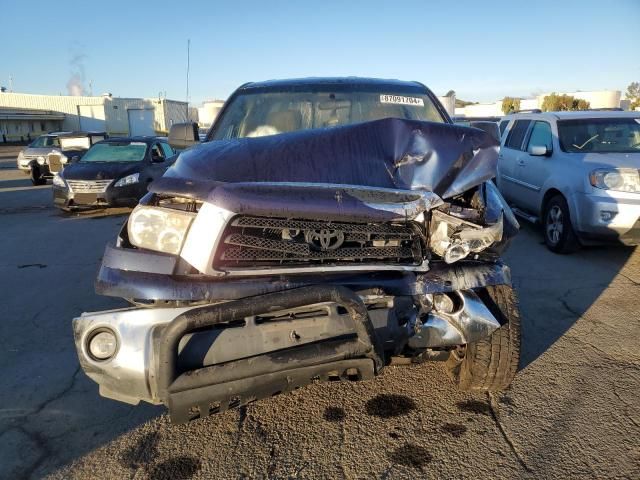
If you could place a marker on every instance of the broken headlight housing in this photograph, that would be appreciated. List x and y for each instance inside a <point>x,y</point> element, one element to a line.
<point>454,239</point>
<point>159,229</point>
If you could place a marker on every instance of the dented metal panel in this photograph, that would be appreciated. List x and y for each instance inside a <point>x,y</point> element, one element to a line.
<point>391,153</point>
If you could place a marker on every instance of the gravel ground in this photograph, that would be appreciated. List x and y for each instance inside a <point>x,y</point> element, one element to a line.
<point>573,411</point>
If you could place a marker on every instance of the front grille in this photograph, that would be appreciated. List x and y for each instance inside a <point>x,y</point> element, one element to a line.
<point>55,162</point>
<point>88,186</point>
<point>258,241</point>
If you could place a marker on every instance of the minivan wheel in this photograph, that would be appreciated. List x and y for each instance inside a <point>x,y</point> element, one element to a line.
<point>36,177</point>
<point>558,231</point>
<point>490,364</point>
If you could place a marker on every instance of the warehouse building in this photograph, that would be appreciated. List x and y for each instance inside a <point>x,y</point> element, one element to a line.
<point>25,116</point>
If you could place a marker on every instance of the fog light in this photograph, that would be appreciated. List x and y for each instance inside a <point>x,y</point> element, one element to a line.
<point>607,216</point>
<point>103,345</point>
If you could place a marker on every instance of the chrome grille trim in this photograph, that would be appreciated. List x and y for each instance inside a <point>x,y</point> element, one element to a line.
<point>88,186</point>
<point>254,242</point>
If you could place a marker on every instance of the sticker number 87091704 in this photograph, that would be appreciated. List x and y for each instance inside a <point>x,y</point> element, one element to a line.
<point>400,100</point>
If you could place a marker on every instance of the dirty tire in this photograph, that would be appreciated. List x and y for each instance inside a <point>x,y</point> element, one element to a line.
<point>566,241</point>
<point>491,363</point>
<point>35,176</point>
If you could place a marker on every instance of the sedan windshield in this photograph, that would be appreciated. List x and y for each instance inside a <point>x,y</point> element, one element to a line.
<point>603,135</point>
<point>257,114</point>
<point>45,141</point>
<point>116,152</point>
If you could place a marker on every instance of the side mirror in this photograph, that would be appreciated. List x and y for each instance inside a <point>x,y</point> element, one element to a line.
<point>489,127</point>
<point>539,151</point>
<point>183,135</point>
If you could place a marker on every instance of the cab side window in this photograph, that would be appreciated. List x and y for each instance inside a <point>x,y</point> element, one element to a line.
<point>540,135</point>
<point>516,134</point>
<point>157,155</point>
<point>168,151</point>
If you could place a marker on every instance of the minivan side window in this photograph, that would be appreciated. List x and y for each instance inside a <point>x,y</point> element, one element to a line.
<point>516,134</point>
<point>541,135</point>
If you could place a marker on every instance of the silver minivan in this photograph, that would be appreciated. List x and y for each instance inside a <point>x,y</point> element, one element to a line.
<point>577,173</point>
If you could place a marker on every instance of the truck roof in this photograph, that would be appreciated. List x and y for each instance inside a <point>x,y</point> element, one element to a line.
<point>319,82</point>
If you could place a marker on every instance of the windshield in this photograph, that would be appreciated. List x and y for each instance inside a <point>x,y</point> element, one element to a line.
<point>255,114</point>
<point>604,135</point>
<point>45,141</point>
<point>116,152</point>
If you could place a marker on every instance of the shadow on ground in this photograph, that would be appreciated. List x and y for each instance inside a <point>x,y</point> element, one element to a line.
<point>556,290</point>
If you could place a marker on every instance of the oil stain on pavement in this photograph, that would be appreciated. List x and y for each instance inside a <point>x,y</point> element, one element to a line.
<point>390,405</point>
<point>411,455</point>
<point>176,468</point>
<point>454,429</point>
<point>474,406</point>
<point>142,453</point>
<point>334,414</point>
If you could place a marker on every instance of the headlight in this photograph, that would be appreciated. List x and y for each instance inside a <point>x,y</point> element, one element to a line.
<point>160,229</point>
<point>128,180</point>
<point>40,160</point>
<point>102,345</point>
<point>453,238</point>
<point>621,179</point>
<point>59,182</point>
<point>21,155</point>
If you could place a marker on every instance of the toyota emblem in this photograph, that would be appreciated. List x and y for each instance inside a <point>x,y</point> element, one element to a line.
<point>324,239</point>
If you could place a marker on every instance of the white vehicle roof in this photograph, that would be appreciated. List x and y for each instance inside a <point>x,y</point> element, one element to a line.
<point>573,115</point>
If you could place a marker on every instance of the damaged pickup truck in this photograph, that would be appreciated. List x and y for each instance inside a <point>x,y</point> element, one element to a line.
<point>326,228</point>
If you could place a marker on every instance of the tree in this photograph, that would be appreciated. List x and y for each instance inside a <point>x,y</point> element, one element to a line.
<point>510,104</point>
<point>633,94</point>
<point>558,103</point>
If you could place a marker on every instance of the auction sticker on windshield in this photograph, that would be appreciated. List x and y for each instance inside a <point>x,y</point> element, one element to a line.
<point>400,100</point>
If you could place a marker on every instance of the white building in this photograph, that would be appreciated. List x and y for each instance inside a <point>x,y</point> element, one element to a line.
<point>208,112</point>
<point>596,99</point>
<point>116,116</point>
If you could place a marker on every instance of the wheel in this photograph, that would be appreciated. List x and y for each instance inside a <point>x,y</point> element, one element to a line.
<point>491,363</point>
<point>36,177</point>
<point>558,232</point>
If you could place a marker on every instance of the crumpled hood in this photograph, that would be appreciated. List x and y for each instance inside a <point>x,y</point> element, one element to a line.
<point>389,157</point>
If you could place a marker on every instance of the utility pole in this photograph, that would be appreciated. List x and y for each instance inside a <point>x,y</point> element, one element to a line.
<point>188,61</point>
<point>11,83</point>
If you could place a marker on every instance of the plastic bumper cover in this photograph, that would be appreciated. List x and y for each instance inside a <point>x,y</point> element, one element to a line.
<point>614,218</point>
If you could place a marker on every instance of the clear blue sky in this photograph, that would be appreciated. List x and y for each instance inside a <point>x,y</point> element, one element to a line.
<point>481,49</point>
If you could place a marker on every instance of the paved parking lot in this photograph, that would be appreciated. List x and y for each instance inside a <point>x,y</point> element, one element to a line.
<point>573,411</point>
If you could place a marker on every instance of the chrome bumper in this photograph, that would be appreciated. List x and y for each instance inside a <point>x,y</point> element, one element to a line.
<point>189,357</point>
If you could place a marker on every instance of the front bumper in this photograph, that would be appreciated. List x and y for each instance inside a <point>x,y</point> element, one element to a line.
<point>127,196</point>
<point>204,359</point>
<point>610,217</point>
<point>149,276</point>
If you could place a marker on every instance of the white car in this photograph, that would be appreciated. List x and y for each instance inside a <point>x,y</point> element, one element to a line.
<point>577,173</point>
